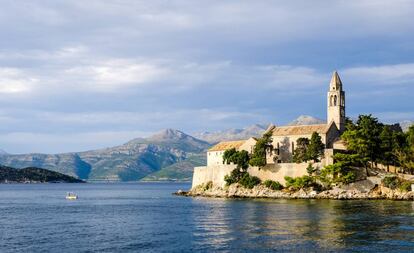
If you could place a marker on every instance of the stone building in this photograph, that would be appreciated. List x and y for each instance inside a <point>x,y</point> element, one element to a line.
<point>279,159</point>
<point>285,137</point>
<point>215,154</point>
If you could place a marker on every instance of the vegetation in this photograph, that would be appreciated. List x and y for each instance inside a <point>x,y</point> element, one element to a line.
<point>32,174</point>
<point>394,182</point>
<point>310,169</point>
<point>391,182</point>
<point>180,171</point>
<point>248,181</point>
<point>405,186</point>
<point>243,160</point>
<point>375,143</point>
<point>240,158</point>
<point>316,147</point>
<point>301,151</point>
<point>263,145</point>
<point>309,150</point>
<point>298,183</point>
<point>274,185</point>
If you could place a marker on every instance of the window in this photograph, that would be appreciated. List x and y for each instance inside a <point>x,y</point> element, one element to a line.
<point>335,98</point>
<point>278,149</point>
<point>293,147</point>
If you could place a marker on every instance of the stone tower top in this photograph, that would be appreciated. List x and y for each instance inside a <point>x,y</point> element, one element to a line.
<point>336,102</point>
<point>336,83</point>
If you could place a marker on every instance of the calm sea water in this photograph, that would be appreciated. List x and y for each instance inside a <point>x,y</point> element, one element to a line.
<point>145,217</point>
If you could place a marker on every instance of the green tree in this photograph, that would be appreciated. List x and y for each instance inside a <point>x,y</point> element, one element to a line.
<point>405,153</point>
<point>301,151</point>
<point>240,158</point>
<point>364,139</point>
<point>316,148</point>
<point>388,146</point>
<point>263,145</point>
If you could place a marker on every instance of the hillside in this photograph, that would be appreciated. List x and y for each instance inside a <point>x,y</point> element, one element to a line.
<point>306,120</point>
<point>181,171</point>
<point>130,161</point>
<point>32,174</point>
<point>231,134</point>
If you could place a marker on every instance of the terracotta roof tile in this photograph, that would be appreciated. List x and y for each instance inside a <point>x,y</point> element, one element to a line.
<point>224,145</point>
<point>300,130</point>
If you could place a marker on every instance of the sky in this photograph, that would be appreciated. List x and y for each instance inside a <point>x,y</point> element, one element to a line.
<point>80,75</point>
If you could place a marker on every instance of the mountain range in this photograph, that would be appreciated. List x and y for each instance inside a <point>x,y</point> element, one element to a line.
<point>128,162</point>
<point>167,155</point>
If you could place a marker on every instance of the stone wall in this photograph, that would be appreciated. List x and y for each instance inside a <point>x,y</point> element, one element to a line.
<point>213,173</point>
<point>276,172</point>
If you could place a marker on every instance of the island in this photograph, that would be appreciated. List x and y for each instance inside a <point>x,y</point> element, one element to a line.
<point>339,159</point>
<point>34,175</point>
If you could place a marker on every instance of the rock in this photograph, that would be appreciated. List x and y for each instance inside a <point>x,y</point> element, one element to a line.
<point>260,191</point>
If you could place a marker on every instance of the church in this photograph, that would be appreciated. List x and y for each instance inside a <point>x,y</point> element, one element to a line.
<point>284,137</point>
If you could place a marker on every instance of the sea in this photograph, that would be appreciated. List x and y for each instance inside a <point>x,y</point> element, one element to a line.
<point>147,217</point>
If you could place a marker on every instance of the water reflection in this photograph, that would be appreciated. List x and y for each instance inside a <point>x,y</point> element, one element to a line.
<point>301,225</point>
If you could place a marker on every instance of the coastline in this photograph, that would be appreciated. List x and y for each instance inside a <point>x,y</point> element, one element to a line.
<point>261,191</point>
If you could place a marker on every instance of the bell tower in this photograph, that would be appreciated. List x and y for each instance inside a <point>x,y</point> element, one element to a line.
<point>336,102</point>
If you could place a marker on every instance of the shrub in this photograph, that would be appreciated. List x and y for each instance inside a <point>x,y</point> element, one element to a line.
<point>208,185</point>
<point>348,178</point>
<point>299,182</point>
<point>391,182</point>
<point>234,177</point>
<point>310,169</point>
<point>249,181</point>
<point>405,186</point>
<point>274,185</point>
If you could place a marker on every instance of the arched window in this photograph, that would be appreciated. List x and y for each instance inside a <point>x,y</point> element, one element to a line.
<point>330,100</point>
<point>335,98</point>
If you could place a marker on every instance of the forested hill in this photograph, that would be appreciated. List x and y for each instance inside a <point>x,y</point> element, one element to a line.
<point>34,175</point>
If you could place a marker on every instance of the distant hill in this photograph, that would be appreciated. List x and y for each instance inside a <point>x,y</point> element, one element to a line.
<point>231,134</point>
<point>180,171</point>
<point>128,162</point>
<point>306,120</point>
<point>32,174</point>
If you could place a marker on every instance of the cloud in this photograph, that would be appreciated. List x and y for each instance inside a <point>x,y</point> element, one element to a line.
<point>70,68</point>
<point>14,80</point>
<point>398,74</point>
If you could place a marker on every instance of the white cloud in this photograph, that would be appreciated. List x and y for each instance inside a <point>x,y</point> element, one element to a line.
<point>14,80</point>
<point>116,73</point>
<point>398,74</point>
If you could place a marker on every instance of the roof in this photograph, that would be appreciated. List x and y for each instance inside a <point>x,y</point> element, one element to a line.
<point>225,145</point>
<point>336,81</point>
<point>300,130</point>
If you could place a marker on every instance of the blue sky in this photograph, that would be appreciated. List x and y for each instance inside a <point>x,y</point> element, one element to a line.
<point>78,75</point>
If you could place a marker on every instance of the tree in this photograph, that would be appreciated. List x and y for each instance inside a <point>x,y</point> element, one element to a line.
<point>387,146</point>
<point>301,152</point>
<point>316,148</point>
<point>263,145</point>
<point>364,139</point>
<point>405,154</point>
<point>240,158</point>
<point>229,156</point>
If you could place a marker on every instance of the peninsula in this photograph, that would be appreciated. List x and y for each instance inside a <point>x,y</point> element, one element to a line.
<point>340,159</point>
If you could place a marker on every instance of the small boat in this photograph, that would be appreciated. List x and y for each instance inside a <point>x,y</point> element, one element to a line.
<point>71,196</point>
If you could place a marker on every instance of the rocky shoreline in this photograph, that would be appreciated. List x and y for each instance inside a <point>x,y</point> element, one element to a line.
<point>361,190</point>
